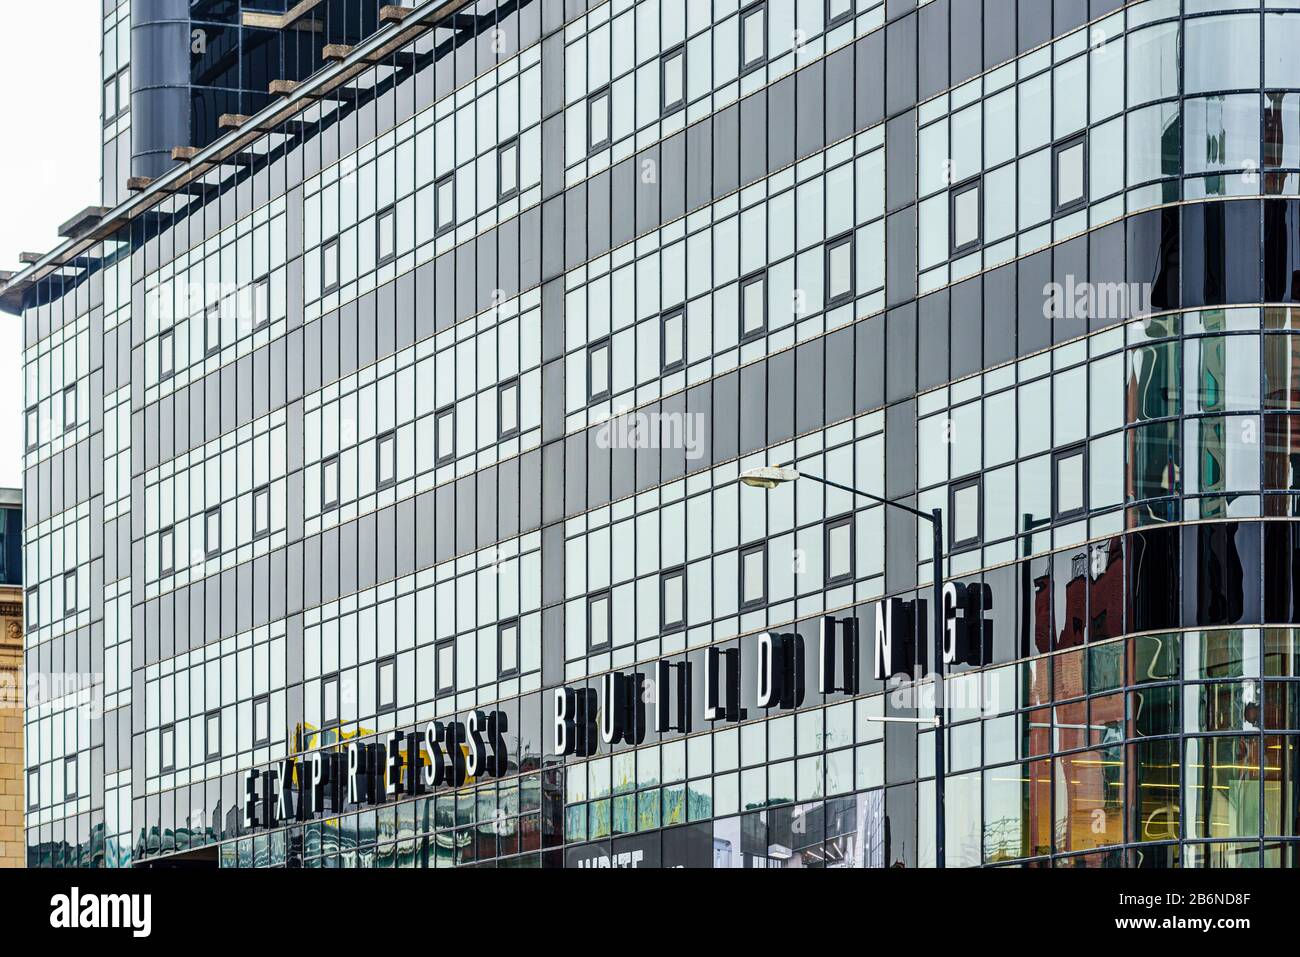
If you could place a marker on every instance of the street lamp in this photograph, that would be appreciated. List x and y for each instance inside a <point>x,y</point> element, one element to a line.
<point>770,477</point>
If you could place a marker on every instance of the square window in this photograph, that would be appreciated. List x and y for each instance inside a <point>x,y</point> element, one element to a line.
<point>673,81</point>
<point>444,201</point>
<point>167,745</point>
<point>446,668</point>
<point>672,600</point>
<point>1071,468</point>
<point>599,623</point>
<point>839,270</point>
<point>261,303</point>
<point>70,593</point>
<point>839,550</point>
<point>386,463</point>
<point>753,577</point>
<point>753,307</point>
<point>70,407</point>
<point>598,123</point>
<point>212,331</point>
<point>166,355</point>
<point>329,266</point>
<point>386,690</point>
<point>166,551</point>
<point>508,170</point>
<point>508,649</point>
<point>70,778</point>
<point>262,512</point>
<point>212,736</point>
<point>964,514</point>
<point>598,371</point>
<point>33,429</point>
<point>329,482</point>
<point>212,532</point>
<point>753,37</point>
<point>1070,174</point>
<point>673,340</point>
<point>445,436</point>
<point>508,409</point>
<point>386,236</point>
<point>837,12</point>
<point>262,720</point>
<point>964,217</point>
<point>329,702</point>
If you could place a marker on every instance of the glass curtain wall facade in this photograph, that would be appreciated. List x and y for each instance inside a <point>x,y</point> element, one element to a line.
<point>387,480</point>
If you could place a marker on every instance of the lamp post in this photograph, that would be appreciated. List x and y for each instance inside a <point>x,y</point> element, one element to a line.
<point>770,477</point>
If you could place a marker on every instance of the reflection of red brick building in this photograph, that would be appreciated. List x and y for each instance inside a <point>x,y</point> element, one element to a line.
<point>1088,808</point>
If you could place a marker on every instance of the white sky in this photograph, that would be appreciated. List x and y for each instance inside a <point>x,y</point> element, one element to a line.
<point>49,160</point>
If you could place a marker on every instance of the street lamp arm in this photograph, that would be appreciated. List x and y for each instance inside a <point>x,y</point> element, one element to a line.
<point>867,495</point>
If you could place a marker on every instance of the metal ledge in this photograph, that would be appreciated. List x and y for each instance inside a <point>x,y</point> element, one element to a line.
<point>382,43</point>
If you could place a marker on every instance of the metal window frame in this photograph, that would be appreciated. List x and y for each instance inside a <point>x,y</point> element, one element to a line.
<point>510,144</point>
<point>389,436</point>
<point>261,322</point>
<point>742,604</point>
<point>505,626</point>
<point>211,748</point>
<point>70,575</point>
<point>605,93</point>
<point>262,532</point>
<point>832,245</point>
<point>441,690</point>
<point>70,793</point>
<point>960,485</point>
<point>382,705</point>
<point>956,192</point>
<point>337,678</point>
<point>607,597</point>
<point>328,247</point>
<point>439,227</point>
<point>676,106</point>
<point>388,213</point>
<point>165,534</point>
<point>448,413</point>
<point>167,339</point>
<point>606,343</point>
<point>326,501</point>
<point>211,549</point>
<point>211,320</point>
<point>749,66</point>
<point>262,699</point>
<point>166,763</point>
<point>1078,450</point>
<point>834,21</point>
<point>754,279</point>
<point>70,390</point>
<point>665,626</point>
<point>512,383</point>
<point>664,365</point>
<point>843,521</point>
<point>1063,146</point>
